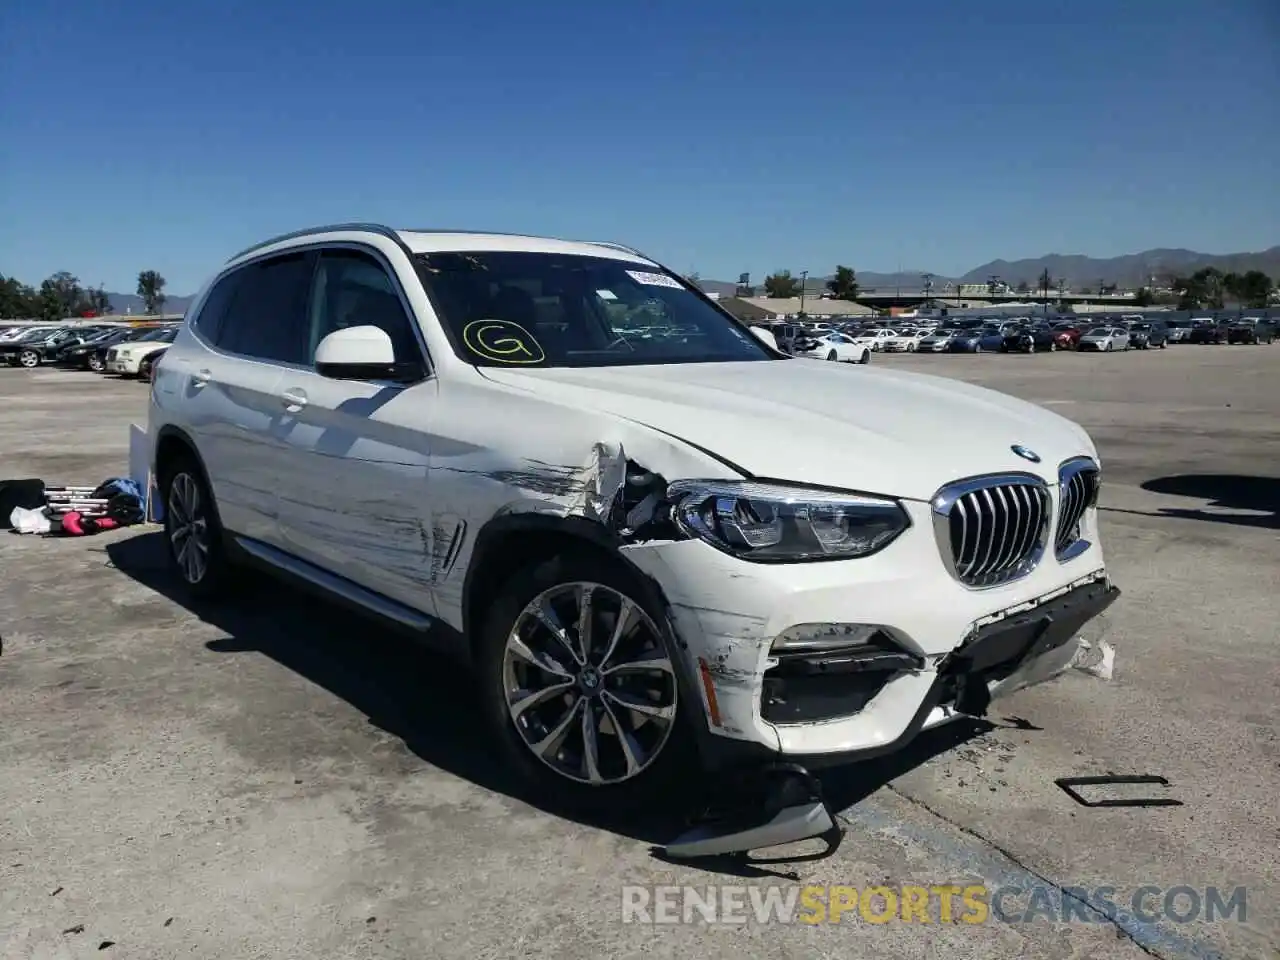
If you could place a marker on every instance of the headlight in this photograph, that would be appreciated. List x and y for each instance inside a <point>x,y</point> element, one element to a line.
<point>771,523</point>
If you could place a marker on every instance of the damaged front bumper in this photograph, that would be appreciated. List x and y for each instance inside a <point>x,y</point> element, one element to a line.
<point>922,650</point>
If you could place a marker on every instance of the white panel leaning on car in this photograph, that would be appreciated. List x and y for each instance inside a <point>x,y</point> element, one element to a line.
<point>656,540</point>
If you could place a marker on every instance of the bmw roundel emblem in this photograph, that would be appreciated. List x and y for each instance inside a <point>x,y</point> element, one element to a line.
<point>1025,453</point>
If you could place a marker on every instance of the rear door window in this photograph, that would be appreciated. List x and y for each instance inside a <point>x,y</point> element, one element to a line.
<point>267,317</point>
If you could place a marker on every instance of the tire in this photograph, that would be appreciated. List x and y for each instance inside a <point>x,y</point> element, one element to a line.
<point>96,363</point>
<point>144,371</point>
<point>1053,346</point>
<point>911,348</point>
<point>866,356</point>
<point>189,505</point>
<point>1164,344</point>
<point>977,348</point>
<point>833,356</point>
<point>563,779</point>
<point>29,359</point>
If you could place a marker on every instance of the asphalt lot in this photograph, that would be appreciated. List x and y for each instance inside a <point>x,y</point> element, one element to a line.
<point>279,779</point>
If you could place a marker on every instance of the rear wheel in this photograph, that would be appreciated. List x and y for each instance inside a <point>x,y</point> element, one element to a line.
<point>193,535</point>
<point>579,682</point>
<point>29,359</point>
<point>832,355</point>
<point>95,363</point>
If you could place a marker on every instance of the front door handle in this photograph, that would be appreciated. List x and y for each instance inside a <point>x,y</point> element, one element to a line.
<point>200,378</point>
<point>293,399</point>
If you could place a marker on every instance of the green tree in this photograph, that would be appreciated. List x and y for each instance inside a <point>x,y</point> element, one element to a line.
<point>1251,289</point>
<point>1023,287</point>
<point>17,300</point>
<point>844,285</point>
<point>1204,288</point>
<point>65,297</point>
<point>781,285</point>
<point>151,290</point>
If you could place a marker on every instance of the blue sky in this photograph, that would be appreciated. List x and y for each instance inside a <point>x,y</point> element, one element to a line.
<point>715,135</point>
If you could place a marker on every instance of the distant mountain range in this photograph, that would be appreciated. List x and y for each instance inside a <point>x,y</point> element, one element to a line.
<point>1075,270</point>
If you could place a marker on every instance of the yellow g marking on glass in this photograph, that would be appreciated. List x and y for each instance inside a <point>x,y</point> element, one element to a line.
<point>502,341</point>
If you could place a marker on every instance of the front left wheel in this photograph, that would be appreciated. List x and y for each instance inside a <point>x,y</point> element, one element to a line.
<point>866,356</point>
<point>579,683</point>
<point>29,359</point>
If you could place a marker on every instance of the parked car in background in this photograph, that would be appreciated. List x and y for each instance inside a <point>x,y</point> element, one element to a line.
<point>1029,340</point>
<point>653,556</point>
<point>990,339</point>
<point>937,342</point>
<point>836,346</point>
<point>79,355</point>
<point>10,334</point>
<point>965,341</point>
<point>125,359</point>
<point>1178,330</point>
<point>877,337</point>
<point>1105,339</point>
<point>907,341</point>
<point>1067,335</point>
<point>1210,332</point>
<point>1251,330</point>
<point>1145,334</point>
<point>40,347</point>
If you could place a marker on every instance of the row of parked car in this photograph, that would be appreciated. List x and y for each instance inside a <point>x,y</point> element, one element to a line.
<point>127,350</point>
<point>855,341</point>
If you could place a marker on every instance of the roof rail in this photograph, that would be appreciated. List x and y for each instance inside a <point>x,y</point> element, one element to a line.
<point>617,246</point>
<point>377,228</point>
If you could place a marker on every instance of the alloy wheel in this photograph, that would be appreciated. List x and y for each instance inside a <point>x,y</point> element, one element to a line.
<point>29,358</point>
<point>188,528</point>
<point>589,684</point>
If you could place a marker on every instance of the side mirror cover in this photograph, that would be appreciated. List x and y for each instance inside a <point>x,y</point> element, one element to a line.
<point>362,353</point>
<point>766,337</point>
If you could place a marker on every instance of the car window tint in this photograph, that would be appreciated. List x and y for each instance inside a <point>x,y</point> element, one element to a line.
<point>208,322</point>
<point>268,314</point>
<point>353,289</point>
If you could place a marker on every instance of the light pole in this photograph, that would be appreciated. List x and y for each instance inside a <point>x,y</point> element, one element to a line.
<point>804,281</point>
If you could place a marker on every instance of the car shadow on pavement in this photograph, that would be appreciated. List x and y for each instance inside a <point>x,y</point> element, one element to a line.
<point>1228,491</point>
<point>400,686</point>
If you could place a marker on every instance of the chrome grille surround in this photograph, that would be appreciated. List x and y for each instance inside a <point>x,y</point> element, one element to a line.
<point>994,529</point>
<point>1079,480</point>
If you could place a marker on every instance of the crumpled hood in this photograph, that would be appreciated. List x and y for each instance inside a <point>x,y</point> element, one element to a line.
<point>810,421</point>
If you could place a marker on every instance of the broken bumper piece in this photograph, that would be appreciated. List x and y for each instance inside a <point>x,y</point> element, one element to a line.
<point>779,805</point>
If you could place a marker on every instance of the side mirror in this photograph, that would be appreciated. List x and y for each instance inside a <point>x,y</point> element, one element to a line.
<point>362,353</point>
<point>766,337</point>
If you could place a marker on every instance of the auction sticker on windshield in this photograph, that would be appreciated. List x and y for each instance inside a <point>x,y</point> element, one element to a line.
<point>654,279</point>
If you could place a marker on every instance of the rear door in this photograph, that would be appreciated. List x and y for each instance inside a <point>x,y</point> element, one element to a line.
<point>252,326</point>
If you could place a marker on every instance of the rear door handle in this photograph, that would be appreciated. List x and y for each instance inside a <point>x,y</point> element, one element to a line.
<point>293,399</point>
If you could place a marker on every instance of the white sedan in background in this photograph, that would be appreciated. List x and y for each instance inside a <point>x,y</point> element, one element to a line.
<point>875,338</point>
<point>126,359</point>
<point>838,346</point>
<point>1105,339</point>
<point>908,341</point>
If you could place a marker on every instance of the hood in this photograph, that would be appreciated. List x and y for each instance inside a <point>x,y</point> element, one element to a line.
<point>807,421</point>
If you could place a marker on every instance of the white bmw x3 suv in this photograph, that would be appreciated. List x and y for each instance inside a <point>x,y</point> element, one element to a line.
<point>658,549</point>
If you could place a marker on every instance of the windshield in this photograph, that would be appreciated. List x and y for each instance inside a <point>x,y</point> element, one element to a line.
<point>504,309</point>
